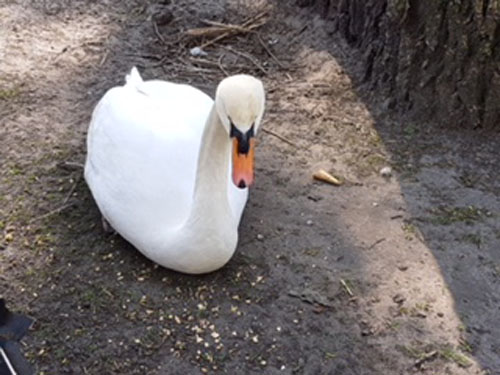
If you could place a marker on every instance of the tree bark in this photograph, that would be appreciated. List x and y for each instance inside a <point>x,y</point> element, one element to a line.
<point>437,59</point>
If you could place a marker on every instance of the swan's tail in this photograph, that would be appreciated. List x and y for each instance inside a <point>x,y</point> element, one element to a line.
<point>133,78</point>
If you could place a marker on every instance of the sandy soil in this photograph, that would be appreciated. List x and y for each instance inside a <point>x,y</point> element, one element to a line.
<point>395,275</point>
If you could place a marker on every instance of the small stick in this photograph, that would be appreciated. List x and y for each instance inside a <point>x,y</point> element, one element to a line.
<point>221,66</point>
<point>103,59</point>
<point>157,33</point>
<point>376,243</point>
<point>206,31</point>
<point>248,57</point>
<point>268,50</point>
<point>250,24</point>
<point>227,26</point>
<point>71,164</point>
<point>346,287</point>
<point>53,212</point>
<point>279,137</point>
<point>71,191</point>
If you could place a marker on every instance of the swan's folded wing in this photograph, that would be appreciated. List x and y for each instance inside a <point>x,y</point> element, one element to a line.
<point>143,146</point>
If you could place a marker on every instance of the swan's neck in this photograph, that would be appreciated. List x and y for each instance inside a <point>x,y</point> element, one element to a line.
<point>210,201</point>
<point>208,238</point>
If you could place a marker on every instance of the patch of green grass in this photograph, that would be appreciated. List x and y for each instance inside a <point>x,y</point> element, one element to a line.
<point>452,355</point>
<point>313,252</point>
<point>468,180</point>
<point>410,230</point>
<point>395,325</point>
<point>9,93</point>
<point>375,140</point>
<point>330,355</point>
<point>449,215</point>
<point>411,351</point>
<point>374,162</point>
<point>15,170</point>
<point>410,131</point>
<point>465,346</point>
<point>472,238</point>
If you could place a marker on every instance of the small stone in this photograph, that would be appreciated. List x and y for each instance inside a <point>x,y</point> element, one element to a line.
<point>197,52</point>
<point>260,237</point>
<point>309,222</point>
<point>386,172</point>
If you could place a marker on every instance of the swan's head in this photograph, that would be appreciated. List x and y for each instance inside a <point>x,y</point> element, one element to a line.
<point>240,105</point>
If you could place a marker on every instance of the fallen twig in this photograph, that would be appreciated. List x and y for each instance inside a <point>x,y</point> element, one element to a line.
<point>228,26</point>
<point>376,243</point>
<point>71,191</point>
<point>346,287</point>
<point>248,57</point>
<point>270,53</point>
<point>53,212</point>
<point>206,31</point>
<point>71,164</point>
<point>157,33</point>
<point>279,137</point>
<point>221,66</point>
<point>230,30</point>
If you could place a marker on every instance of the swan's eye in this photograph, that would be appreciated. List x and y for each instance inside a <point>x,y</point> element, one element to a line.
<point>243,138</point>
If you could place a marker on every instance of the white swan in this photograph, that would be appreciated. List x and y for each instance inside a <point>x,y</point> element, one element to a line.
<point>160,157</point>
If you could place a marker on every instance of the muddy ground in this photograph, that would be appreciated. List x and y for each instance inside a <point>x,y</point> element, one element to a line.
<point>395,275</point>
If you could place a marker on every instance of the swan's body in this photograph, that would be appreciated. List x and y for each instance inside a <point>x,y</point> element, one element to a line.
<point>159,168</point>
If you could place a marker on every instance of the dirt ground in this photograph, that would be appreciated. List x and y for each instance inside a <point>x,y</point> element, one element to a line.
<point>381,275</point>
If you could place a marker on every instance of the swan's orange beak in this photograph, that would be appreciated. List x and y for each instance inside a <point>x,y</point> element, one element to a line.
<point>243,164</point>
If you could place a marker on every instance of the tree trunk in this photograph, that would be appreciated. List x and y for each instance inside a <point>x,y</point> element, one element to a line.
<point>434,58</point>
